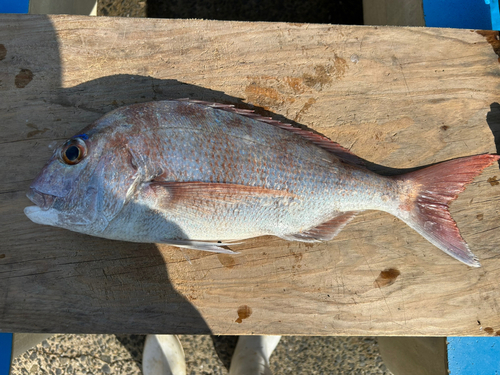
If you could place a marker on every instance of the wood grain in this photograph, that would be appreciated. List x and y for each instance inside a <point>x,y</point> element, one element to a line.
<point>398,97</point>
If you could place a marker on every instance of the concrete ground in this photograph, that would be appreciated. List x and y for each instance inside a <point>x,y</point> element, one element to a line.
<point>205,355</point>
<point>122,354</point>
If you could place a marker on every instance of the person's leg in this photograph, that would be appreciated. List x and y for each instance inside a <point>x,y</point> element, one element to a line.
<point>251,356</point>
<point>163,355</point>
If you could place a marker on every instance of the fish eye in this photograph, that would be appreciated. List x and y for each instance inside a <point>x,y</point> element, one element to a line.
<point>73,151</point>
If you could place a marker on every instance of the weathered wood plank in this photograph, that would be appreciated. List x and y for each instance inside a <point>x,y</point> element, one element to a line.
<point>398,97</point>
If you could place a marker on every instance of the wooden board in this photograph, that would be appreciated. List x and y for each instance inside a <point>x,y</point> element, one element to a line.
<point>398,97</point>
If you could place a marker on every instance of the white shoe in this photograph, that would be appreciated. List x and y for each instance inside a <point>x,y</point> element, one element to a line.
<point>251,356</point>
<point>163,355</point>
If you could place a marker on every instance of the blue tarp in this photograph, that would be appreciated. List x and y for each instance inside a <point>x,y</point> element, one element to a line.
<point>14,6</point>
<point>474,355</point>
<point>462,14</point>
<point>5,352</point>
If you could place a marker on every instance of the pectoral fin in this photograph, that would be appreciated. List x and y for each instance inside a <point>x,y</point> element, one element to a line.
<point>213,247</point>
<point>168,194</point>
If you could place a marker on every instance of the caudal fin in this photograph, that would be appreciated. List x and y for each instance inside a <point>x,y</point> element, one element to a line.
<point>434,188</point>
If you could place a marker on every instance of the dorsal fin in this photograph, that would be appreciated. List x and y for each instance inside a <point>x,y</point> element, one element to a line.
<point>339,151</point>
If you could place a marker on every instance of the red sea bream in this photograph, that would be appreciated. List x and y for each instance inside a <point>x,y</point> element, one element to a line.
<point>201,176</point>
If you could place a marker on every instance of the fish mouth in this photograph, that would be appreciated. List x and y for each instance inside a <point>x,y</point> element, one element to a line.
<point>43,201</point>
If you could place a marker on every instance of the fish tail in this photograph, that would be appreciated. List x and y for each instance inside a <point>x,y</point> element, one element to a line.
<point>427,194</point>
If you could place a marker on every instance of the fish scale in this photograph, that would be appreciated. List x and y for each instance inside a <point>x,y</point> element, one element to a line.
<point>277,174</point>
<point>264,153</point>
<point>190,174</point>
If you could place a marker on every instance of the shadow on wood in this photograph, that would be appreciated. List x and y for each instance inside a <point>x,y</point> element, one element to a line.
<point>88,284</point>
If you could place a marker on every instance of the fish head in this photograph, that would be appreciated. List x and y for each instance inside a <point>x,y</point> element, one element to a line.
<point>85,183</point>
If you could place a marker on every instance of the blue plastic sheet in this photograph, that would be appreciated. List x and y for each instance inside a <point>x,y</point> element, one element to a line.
<point>5,352</point>
<point>464,14</point>
<point>495,14</point>
<point>461,14</point>
<point>14,6</point>
<point>474,355</point>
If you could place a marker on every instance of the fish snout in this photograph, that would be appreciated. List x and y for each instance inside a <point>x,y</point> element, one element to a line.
<point>43,201</point>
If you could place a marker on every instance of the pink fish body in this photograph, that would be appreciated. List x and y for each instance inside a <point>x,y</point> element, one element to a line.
<point>201,176</point>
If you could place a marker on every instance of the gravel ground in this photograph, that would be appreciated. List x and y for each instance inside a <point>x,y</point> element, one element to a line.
<point>122,354</point>
<point>205,355</point>
<point>122,8</point>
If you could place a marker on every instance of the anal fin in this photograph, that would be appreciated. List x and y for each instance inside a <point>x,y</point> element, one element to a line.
<point>325,231</point>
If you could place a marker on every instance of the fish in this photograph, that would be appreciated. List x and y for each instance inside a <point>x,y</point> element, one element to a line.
<point>207,176</point>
